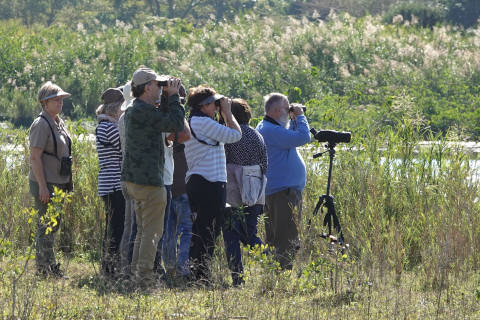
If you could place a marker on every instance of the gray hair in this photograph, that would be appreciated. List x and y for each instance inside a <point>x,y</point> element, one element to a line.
<point>272,100</point>
<point>110,109</point>
<point>47,90</point>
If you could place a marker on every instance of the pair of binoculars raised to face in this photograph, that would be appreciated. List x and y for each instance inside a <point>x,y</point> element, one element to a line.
<point>303,108</point>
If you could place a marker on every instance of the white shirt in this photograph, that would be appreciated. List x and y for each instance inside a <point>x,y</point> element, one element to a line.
<point>208,160</point>
<point>168,166</point>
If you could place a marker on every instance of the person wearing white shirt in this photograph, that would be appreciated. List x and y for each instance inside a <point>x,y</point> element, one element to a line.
<point>207,175</point>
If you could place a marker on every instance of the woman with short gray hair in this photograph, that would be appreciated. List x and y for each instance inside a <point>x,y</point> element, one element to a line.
<point>50,166</point>
<point>109,186</point>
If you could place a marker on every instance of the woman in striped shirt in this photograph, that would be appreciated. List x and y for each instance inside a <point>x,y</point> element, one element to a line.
<point>207,175</point>
<point>109,187</point>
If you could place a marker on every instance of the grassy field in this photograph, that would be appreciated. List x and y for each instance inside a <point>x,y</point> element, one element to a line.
<point>410,215</point>
<point>357,295</point>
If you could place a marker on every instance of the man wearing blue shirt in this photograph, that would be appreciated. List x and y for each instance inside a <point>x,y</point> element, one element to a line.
<point>284,128</point>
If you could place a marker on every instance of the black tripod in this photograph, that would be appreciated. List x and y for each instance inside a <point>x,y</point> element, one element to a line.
<point>326,200</point>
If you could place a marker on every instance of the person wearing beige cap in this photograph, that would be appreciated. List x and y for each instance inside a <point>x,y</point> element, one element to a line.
<point>144,159</point>
<point>109,186</point>
<point>50,166</point>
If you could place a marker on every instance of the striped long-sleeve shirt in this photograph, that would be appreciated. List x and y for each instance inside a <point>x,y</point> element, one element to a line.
<point>109,157</point>
<point>208,160</point>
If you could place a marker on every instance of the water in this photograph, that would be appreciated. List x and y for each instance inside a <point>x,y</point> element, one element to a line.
<point>471,149</point>
<point>15,154</point>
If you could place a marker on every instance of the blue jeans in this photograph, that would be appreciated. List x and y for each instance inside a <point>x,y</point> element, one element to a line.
<point>178,225</point>
<point>240,226</point>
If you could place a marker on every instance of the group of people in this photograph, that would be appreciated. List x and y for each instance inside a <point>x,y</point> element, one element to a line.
<point>172,184</point>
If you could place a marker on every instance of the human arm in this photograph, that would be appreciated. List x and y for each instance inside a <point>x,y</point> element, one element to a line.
<point>263,155</point>
<point>281,137</point>
<point>205,127</point>
<point>168,118</point>
<point>108,133</point>
<point>181,136</point>
<point>228,117</point>
<point>37,168</point>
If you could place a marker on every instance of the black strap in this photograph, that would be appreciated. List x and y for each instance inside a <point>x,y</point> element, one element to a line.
<point>55,141</point>
<point>271,120</point>
<point>200,140</point>
<point>103,143</point>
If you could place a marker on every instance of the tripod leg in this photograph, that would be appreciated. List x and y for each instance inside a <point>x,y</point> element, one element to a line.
<point>315,211</point>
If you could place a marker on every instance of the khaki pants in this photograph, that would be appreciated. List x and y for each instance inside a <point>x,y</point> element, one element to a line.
<point>150,202</point>
<point>281,210</point>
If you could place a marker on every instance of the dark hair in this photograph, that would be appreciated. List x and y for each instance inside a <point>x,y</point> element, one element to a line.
<point>137,91</point>
<point>241,111</point>
<point>197,95</point>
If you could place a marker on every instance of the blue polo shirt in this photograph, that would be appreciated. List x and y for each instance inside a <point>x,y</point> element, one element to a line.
<point>286,168</point>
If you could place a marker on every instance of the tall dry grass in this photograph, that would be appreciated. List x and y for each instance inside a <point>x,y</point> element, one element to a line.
<point>409,214</point>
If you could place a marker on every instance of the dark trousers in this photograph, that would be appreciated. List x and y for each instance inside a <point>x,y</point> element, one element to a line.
<point>282,213</point>
<point>207,201</point>
<point>115,216</point>
<point>44,241</point>
<point>240,226</point>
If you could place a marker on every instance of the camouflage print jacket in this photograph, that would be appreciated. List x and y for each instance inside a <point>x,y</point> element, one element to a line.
<point>144,124</point>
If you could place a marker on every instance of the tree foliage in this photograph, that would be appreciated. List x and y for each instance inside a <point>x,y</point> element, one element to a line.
<point>425,14</point>
<point>463,12</point>
<point>429,12</point>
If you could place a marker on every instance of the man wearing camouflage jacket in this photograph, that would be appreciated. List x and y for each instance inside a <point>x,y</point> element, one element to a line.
<point>144,162</point>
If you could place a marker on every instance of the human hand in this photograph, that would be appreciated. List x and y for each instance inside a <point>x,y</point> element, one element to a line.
<point>44,194</point>
<point>225,107</point>
<point>297,109</point>
<point>173,86</point>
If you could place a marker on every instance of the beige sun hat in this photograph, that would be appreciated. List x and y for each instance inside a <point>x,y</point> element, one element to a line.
<point>50,90</point>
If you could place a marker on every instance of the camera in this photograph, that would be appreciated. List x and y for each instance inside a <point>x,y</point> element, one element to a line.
<point>66,166</point>
<point>331,136</point>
